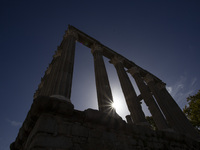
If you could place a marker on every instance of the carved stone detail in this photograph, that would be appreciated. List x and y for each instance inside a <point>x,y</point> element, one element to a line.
<point>116,59</point>
<point>148,78</point>
<point>72,33</point>
<point>96,47</point>
<point>133,70</point>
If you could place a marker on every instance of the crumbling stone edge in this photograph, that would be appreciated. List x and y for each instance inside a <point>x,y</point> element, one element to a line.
<point>65,109</point>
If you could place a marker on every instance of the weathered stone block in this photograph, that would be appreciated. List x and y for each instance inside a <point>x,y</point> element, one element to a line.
<point>64,128</point>
<point>51,104</point>
<point>38,149</point>
<point>23,135</point>
<point>55,131</point>
<point>47,141</point>
<point>95,133</point>
<point>140,143</point>
<point>132,141</point>
<point>46,124</point>
<point>79,140</point>
<point>104,119</point>
<point>107,136</point>
<point>47,149</point>
<point>29,122</point>
<point>78,130</point>
<point>76,147</point>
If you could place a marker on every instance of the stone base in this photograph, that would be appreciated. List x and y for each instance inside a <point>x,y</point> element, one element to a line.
<point>53,124</point>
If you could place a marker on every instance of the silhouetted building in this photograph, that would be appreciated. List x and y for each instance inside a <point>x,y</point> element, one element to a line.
<point>53,123</point>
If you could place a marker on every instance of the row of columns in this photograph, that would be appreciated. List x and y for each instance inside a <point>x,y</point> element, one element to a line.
<point>164,110</point>
<point>148,99</point>
<point>174,115</point>
<point>167,115</point>
<point>130,95</point>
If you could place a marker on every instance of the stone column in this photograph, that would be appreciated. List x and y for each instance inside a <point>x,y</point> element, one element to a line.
<point>58,82</point>
<point>174,115</point>
<point>104,93</point>
<point>54,71</point>
<point>148,99</point>
<point>132,100</point>
<point>50,74</point>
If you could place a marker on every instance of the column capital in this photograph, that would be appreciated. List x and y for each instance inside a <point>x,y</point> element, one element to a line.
<point>71,32</point>
<point>148,78</point>
<point>96,47</point>
<point>134,70</point>
<point>116,59</point>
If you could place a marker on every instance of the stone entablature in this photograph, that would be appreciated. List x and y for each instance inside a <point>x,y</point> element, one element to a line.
<point>54,124</point>
<point>107,52</point>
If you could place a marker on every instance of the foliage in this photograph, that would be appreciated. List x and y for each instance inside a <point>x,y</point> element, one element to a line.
<point>192,110</point>
<point>151,122</point>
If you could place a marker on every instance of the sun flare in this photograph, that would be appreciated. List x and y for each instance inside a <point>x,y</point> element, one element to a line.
<point>116,105</point>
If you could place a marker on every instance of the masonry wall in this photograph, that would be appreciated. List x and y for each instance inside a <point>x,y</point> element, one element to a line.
<point>53,124</point>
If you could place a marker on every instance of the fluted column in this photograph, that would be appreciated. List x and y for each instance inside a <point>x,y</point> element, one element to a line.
<point>58,77</point>
<point>53,73</point>
<point>148,99</point>
<point>171,110</point>
<point>50,74</point>
<point>129,93</point>
<point>104,93</point>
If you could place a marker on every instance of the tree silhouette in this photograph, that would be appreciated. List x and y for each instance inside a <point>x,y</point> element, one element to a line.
<point>192,110</point>
<point>151,122</point>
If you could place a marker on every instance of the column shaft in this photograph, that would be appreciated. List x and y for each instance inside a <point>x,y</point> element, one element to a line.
<point>59,81</point>
<point>104,93</point>
<point>64,78</point>
<point>53,75</point>
<point>174,115</point>
<point>129,93</point>
<point>149,100</point>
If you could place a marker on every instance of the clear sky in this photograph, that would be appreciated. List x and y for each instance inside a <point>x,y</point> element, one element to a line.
<point>162,36</point>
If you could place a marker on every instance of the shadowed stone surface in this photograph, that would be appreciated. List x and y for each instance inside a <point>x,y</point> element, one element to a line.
<point>70,129</point>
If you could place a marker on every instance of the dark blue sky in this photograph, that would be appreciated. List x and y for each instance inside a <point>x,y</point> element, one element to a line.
<point>161,36</point>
